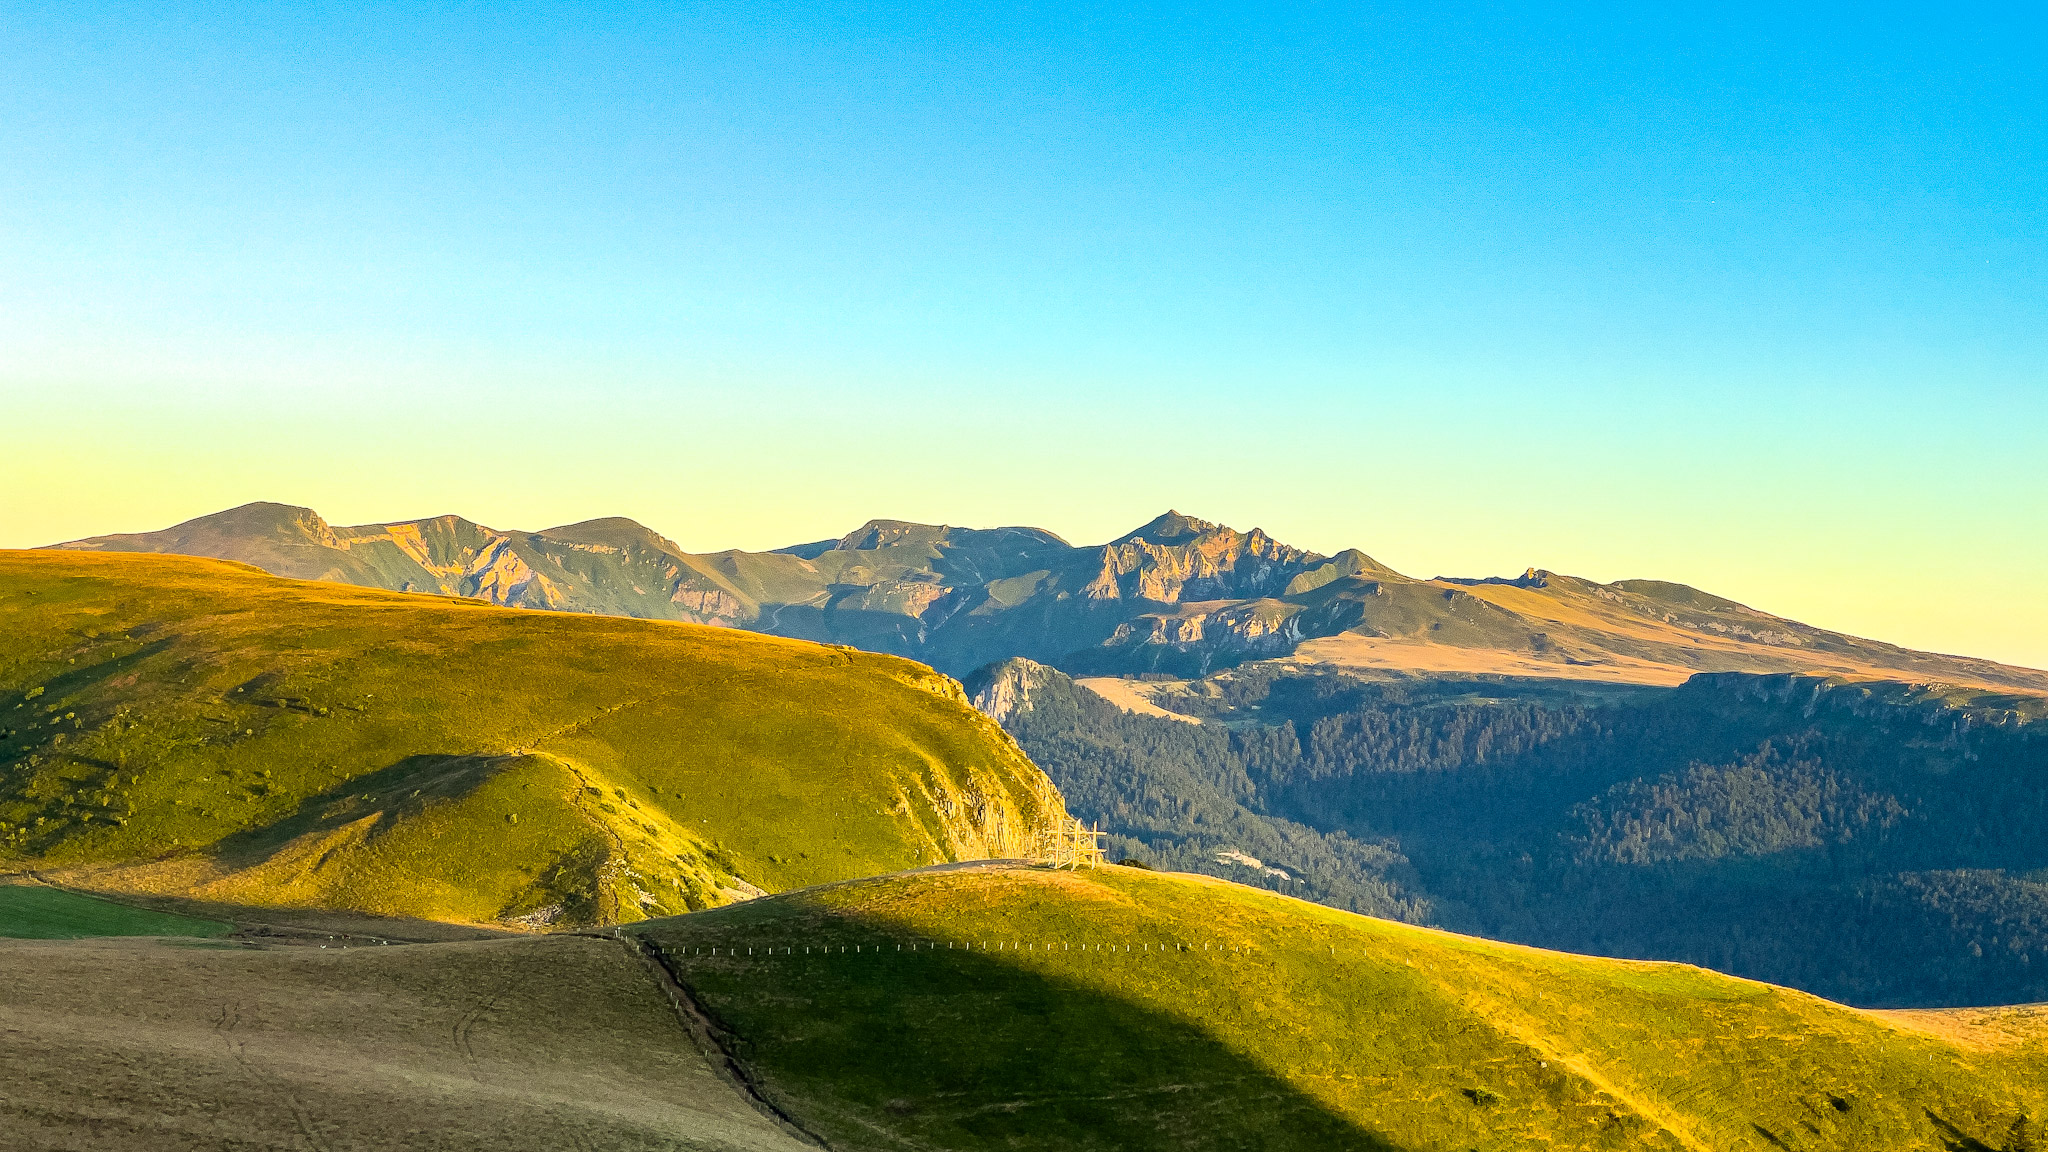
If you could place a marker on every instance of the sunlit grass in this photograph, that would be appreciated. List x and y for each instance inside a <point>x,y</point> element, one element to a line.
<point>1028,1009</point>
<point>195,726</point>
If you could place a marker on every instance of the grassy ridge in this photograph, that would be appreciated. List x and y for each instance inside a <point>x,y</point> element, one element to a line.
<point>1017,1009</point>
<point>199,728</point>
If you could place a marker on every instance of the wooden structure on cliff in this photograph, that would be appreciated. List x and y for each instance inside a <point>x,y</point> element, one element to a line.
<point>1069,844</point>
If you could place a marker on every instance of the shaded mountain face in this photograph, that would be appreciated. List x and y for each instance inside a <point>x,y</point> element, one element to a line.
<point>1177,596</point>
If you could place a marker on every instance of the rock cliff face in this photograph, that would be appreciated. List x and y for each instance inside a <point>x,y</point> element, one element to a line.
<point>1176,558</point>
<point>1178,595</point>
<point>1001,690</point>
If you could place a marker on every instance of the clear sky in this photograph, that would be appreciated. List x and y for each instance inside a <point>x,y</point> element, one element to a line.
<point>1753,299</point>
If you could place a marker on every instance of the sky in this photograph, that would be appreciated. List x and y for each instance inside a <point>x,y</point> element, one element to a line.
<point>1751,298</point>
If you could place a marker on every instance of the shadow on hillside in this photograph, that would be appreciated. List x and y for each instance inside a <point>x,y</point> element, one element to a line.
<point>389,793</point>
<point>968,1049</point>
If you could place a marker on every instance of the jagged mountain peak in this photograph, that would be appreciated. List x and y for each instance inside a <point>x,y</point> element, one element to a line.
<point>1179,594</point>
<point>1530,578</point>
<point>1170,527</point>
<point>997,690</point>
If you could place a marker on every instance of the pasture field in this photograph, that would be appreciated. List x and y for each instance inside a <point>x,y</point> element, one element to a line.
<point>972,1007</point>
<point>37,912</point>
<point>527,1043</point>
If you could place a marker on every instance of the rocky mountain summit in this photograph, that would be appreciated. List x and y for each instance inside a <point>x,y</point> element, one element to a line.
<point>1177,596</point>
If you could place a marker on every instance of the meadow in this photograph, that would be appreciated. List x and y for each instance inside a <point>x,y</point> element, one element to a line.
<point>37,912</point>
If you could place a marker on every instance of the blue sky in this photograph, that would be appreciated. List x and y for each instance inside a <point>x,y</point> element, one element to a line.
<point>1756,299</point>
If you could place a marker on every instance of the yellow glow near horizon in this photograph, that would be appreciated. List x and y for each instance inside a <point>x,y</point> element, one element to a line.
<point>1869,549</point>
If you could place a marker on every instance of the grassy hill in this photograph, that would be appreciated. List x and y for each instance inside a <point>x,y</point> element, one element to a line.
<point>995,1007</point>
<point>199,728</point>
<point>970,1007</point>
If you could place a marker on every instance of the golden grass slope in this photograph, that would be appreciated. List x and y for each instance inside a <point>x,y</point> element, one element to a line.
<point>1632,631</point>
<point>555,1042</point>
<point>197,728</point>
<point>999,1007</point>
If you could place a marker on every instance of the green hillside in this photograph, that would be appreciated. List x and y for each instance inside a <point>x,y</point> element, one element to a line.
<point>997,1007</point>
<point>198,728</point>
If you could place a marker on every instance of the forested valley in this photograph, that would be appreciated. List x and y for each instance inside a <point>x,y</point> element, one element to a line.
<point>1872,843</point>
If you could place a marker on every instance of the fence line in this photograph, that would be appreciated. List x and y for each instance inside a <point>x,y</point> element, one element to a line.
<point>930,947</point>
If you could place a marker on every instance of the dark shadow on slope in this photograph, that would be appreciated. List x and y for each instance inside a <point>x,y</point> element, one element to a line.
<point>390,793</point>
<point>883,1046</point>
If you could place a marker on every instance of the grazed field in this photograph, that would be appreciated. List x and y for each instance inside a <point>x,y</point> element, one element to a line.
<point>544,1043</point>
<point>973,1007</point>
<point>1371,654</point>
<point>1569,629</point>
<point>1131,696</point>
<point>39,912</point>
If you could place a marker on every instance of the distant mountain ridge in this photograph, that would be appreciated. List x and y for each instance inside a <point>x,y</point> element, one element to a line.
<point>1177,595</point>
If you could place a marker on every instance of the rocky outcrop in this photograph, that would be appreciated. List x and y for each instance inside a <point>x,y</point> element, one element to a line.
<point>708,605</point>
<point>1003,689</point>
<point>1211,634</point>
<point>1176,558</point>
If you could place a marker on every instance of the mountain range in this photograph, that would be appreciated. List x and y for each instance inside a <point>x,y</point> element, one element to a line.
<point>696,886</point>
<point>1177,596</point>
